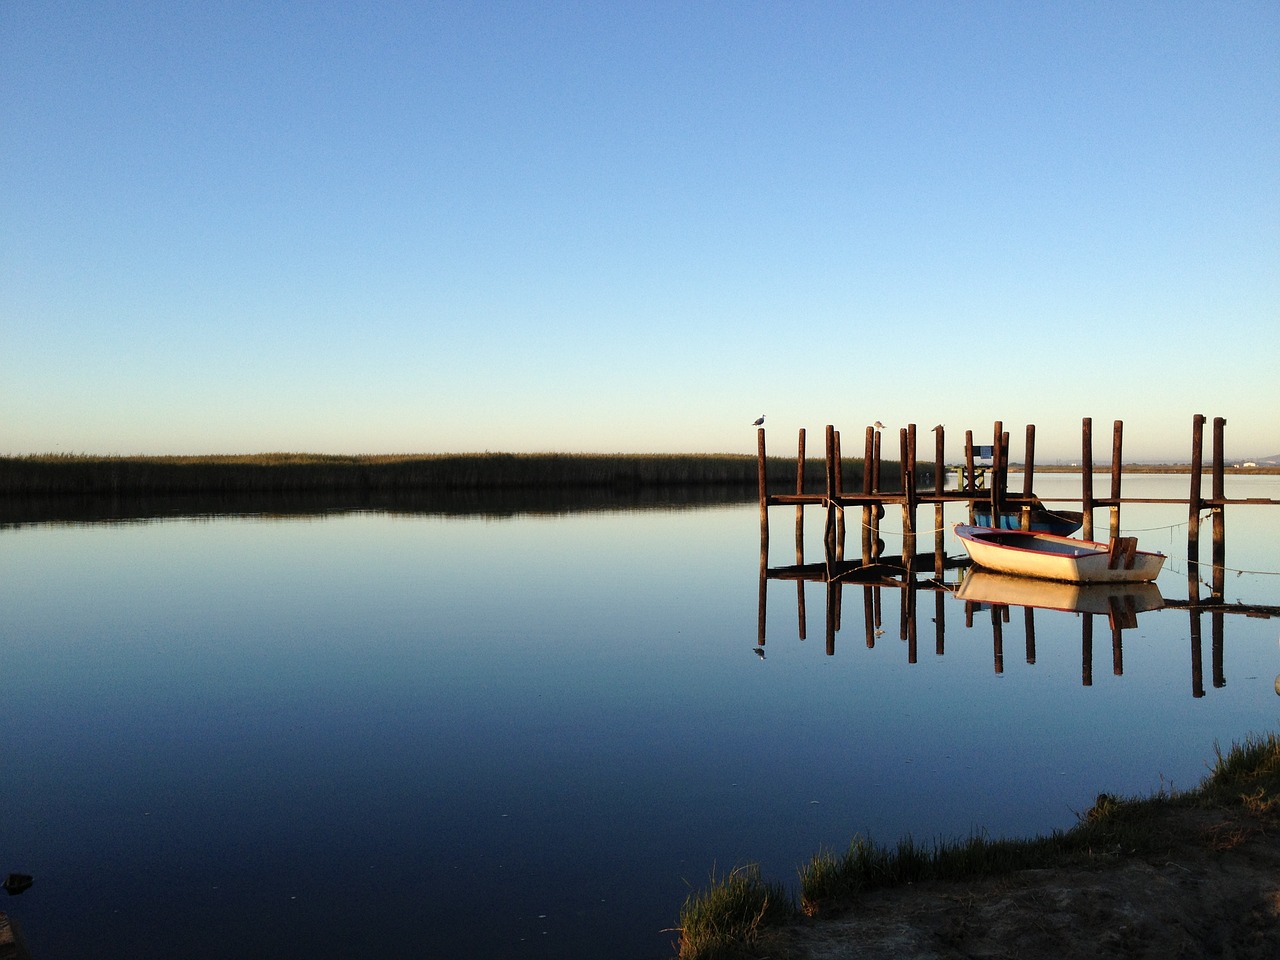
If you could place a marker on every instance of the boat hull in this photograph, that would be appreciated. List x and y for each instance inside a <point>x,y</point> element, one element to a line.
<point>1027,553</point>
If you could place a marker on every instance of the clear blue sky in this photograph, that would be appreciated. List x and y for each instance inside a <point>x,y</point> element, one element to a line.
<point>615,226</point>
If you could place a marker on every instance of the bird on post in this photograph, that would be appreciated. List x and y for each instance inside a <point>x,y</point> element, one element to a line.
<point>759,422</point>
<point>878,425</point>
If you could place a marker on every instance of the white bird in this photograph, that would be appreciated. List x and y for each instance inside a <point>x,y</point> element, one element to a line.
<point>878,425</point>
<point>759,422</point>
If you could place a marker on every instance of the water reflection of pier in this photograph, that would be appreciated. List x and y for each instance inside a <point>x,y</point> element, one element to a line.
<point>994,596</point>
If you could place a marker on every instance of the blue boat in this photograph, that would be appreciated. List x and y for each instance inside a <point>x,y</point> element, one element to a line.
<point>1061,523</point>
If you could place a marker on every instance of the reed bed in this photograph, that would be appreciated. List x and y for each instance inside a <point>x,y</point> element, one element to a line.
<point>284,473</point>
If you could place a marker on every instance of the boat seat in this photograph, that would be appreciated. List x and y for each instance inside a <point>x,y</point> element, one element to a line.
<point>1122,552</point>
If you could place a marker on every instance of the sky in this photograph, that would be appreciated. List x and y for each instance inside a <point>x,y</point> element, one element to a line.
<point>413,227</point>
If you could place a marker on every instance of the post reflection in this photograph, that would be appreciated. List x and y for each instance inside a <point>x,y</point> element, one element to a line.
<point>1117,605</point>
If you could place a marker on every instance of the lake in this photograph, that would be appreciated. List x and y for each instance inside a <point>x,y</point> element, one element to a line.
<point>412,735</point>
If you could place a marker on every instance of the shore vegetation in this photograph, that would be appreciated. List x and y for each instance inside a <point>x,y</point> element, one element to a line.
<point>74,474</point>
<point>729,919</point>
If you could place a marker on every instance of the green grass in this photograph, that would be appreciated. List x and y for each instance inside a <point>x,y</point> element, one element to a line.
<point>1246,777</point>
<point>725,919</point>
<point>57,475</point>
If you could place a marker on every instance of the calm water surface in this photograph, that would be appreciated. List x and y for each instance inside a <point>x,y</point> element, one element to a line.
<point>413,736</point>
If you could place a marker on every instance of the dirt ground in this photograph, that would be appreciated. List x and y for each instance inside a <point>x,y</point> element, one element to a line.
<point>1215,892</point>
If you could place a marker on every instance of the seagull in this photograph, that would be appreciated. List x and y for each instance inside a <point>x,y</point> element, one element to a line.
<point>878,425</point>
<point>759,422</point>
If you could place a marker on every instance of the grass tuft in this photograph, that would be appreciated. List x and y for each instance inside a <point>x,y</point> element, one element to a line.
<point>724,920</point>
<point>1249,772</point>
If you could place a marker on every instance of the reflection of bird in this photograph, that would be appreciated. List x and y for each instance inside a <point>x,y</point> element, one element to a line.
<point>760,652</point>
<point>760,421</point>
<point>878,425</point>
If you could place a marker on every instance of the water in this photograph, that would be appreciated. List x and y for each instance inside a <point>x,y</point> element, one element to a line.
<point>368,734</point>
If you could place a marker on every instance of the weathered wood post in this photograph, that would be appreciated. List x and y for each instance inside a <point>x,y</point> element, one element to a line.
<point>1195,504</point>
<point>829,531</point>
<point>1028,477</point>
<point>1029,627</point>
<point>800,490</point>
<point>839,457</point>
<point>939,553</point>
<point>1086,478</point>
<point>867,480</point>
<point>762,477</point>
<point>877,509</point>
<point>1117,437</point>
<point>968,470</point>
<point>1219,509</point>
<point>907,440</point>
<point>996,494</point>
<point>800,464</point>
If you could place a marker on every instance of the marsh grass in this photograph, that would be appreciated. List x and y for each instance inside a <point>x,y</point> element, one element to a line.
<point>57,474</point>
<point>726,918</point>
<point>1246,777</point>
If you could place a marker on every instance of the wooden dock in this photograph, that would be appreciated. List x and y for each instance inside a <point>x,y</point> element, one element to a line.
<point>980,484</point>
<point>987,484</point>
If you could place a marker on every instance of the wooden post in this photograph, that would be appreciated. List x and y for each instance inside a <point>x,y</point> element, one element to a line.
<point>800,611</point>
<point>1219,515</point>
<point>996,494</point>
<point>1029,468</point>
<point>1086,481</point>
<point>875,456</point>
<point>907,440</point>
<point>1194,505</point>
<point>1117,436</point>
<point>1028,476</point>
<point>939,553</point>
<point>829,529</point>
<point>968,467</point>
<point>869,452</point>
<point>761,476</point>
<point>1029,627</point>
<point>800,490</point>
<point>839,457</point>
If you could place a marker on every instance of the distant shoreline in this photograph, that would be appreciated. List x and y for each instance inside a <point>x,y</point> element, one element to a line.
<point>1174,468</point>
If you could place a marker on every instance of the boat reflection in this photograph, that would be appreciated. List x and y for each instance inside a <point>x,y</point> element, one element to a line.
<point>1111,599</point>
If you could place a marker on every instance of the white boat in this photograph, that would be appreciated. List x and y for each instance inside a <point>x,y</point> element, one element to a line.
<point>985,587</point>
<point>1030,553</point>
